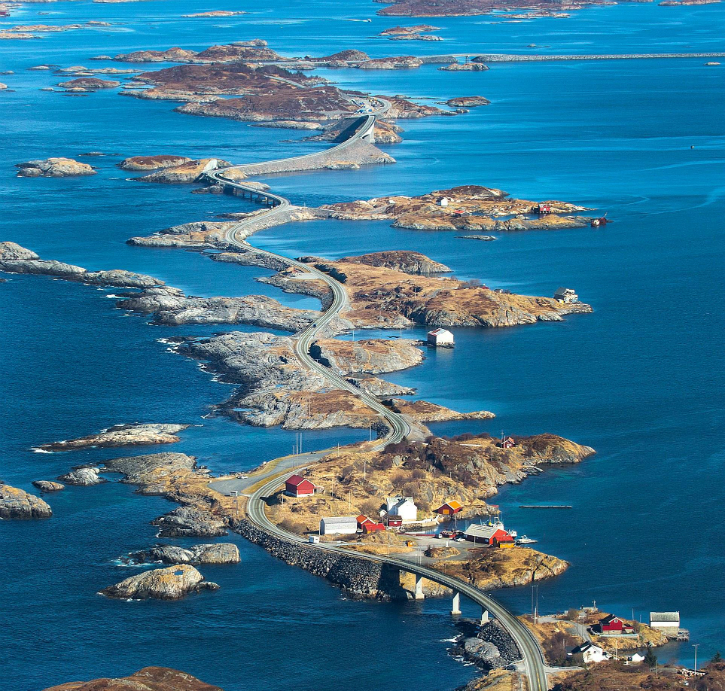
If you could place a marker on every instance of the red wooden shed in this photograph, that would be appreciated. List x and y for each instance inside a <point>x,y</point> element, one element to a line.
<point>298,486</point>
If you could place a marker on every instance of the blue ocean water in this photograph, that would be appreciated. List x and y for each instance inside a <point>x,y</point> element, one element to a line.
<point>640,379</point>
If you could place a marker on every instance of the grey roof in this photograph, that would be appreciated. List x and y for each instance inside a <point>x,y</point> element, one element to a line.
<point>673,617</point>
<point>331,520</point>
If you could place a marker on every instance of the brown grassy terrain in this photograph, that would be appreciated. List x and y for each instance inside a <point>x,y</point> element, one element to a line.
<point>379,296</point>
<point>615,676</point>
<point>470,207</point>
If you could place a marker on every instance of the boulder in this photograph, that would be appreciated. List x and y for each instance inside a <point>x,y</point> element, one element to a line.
<point>172,583</point>
<point>189,522</point>
<point>17,504</point>
<point>221,553</point>
<point>48,486</point>
<point>82,477</point>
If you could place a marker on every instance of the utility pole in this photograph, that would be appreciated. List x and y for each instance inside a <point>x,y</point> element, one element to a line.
<point>695,645</point>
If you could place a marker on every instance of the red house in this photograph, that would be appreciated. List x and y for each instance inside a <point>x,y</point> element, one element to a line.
<point>297,486</point>
<point>371,527</point>
<point>394,521</point>
<point>449,508</point>
<point>362,520</point>
<point>614,625</point>
<point>507,443</point>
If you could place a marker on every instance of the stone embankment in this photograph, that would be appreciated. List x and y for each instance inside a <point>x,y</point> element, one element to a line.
<point>488,646</point>
<point>358,578</point>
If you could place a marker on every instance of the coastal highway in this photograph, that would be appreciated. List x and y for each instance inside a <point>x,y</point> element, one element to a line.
<point>534,665</point>
<point>398,428</point>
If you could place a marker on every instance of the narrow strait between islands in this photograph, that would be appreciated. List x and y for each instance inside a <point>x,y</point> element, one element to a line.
<point>398,428</point>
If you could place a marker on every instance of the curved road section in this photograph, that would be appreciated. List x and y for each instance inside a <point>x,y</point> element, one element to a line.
<point>398,427</point>
<point>532,657</point>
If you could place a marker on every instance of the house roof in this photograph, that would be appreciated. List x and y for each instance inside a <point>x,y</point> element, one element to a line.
<point>485,532</point>
<point>439,332</point>
<point>609,619</point>
<point>342,520</point>
<point>586,646</point>
<point>296,480</point>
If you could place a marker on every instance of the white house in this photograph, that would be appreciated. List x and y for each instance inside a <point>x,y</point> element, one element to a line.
<point>338,525</point>
<point>440,337</point>
<point>403,507</point>
<point>566,295</point>
<point>590,653</point>
<point>636,658</point>
<point>667,622</point>
<point>444,201</point>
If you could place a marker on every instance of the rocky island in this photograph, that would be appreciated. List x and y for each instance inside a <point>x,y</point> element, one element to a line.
<point>54,168</point>
<point>120,435</point>
<point>147,679</point>
<point>16,504</point>
<point>172,583</point>
<point>468,207</point>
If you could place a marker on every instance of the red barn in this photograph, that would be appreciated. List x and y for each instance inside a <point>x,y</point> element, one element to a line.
<point>362,520</point>
<point>449,508</point>
<point>298,486</point>
<point>394,521</point>
<point>370,527</point>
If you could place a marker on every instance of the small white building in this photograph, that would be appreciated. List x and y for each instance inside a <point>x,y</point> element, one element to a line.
<point>444,201</point>
<point>338,525</point>
<point>566,295</point>
<point>636,658</point>
<point>667,622</point>
<point>403,507</point>
<point>590,653</point>
<point>313,539</point>
<point>440,337</point>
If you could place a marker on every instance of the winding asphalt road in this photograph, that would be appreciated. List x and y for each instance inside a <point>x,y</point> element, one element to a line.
<point>398,429</point>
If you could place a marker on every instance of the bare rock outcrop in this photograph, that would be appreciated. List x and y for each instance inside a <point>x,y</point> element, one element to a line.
<point>172,583</point>
<point>18,260</point>
<point>90,84</point>
<point>48,485</point>
<point>149,163</point>
<point>171,307</point>
<point>468,102</point>
<point>53,168</point>
<point>371,356</point>
<point>401,260</point>
<point>84,476</point>
<point>151,470</point>
<point>187,521</point>
<point>190,171</point>
<point>121,435</point>
<point>17,504</point>
<point>218,553</point>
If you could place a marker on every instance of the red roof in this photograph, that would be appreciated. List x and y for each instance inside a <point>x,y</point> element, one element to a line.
<point>295,480</point>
